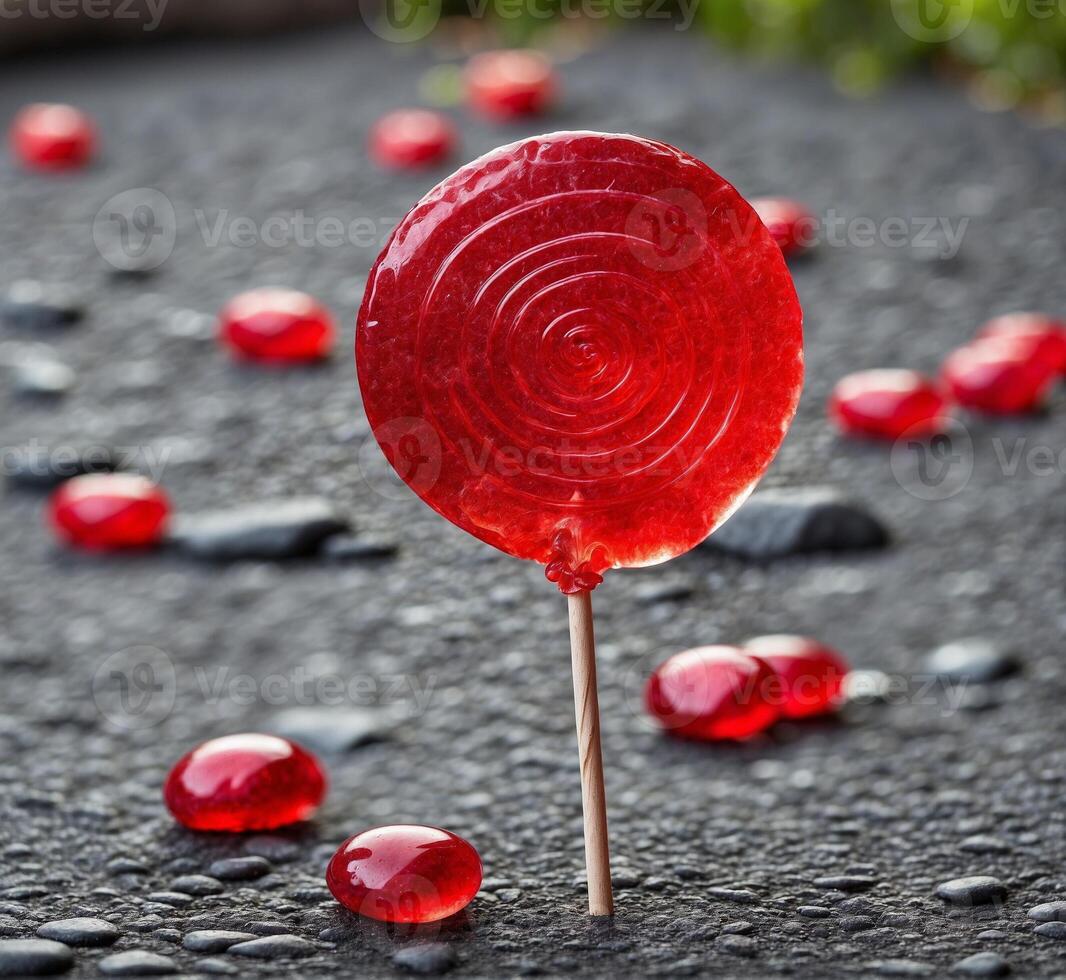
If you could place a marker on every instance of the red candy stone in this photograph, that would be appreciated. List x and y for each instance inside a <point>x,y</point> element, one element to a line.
<point>277,325</point>
<point>711,693</point>
<point>790,224</point>
<point>812,674</point>
<point>411,138</point>
<point>1047,334</point>
<point>999,375</point>
<point>53,137</point>
<point>568,350</point>
<point>405,873</point>
<point>109,511</point>
<point>506,84</point>
<point>244,782</point>
<point>888,404</point>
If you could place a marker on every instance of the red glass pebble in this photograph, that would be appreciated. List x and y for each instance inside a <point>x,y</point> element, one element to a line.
<point>506,84</point>
<point>714,692</point>
<point>999,375</point>
<point>244,782</point>
<point>1046,333</point>
<point>53,137</point>
<point>790,224</point>
<point>277,325</point>
<point>405,873</point>
<point>411,138</point>
<point>888,404</point>
<point>109,511</point>
<point>812,675</point>
<point>567,350</point>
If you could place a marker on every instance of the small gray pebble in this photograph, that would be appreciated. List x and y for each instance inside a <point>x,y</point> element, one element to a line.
<point>856,923</point>
<point>972,890</point>
<point>737,928</point>
<point>845,883</point>
<point>79,932</point>
<point>738,945</point>
<point>215,940</point>
<point>33,957</point>
<point>427,959</point>
<point>136,963</point>
<point>1049,912</point>
<point>216,967</point>
<point>814,912</point>
<point>197,885</point>
<point>274,947</point>
<point>240,868</point>
<point>1051,930</point>
<point>984,844</point>
<point>983,965</point>
<point>739,895</point>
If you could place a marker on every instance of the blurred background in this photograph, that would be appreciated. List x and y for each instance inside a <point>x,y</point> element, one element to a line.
<point>234,150</point>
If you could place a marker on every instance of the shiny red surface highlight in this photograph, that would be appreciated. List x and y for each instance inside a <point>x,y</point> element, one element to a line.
<point>276,325</point>
<point>888,404</point>
<point>405,873</point>
<point>52,137</point>
<point>411,138</point>
<point>812,674</point>
<point>790,224</point>
<point>712,693</point>
<point>244,782</point>
<point>999,375</point>
<point>509,84</point>
<point>109,512</point>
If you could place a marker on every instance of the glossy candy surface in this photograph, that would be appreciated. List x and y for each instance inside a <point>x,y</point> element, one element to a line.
<point>888,404</point>
<point>244,782</point>
<point>411,138</point>
<point>1047,334</point>
<point>999,375</point>
<point>714,692</point>
<point>109,511</point>
<point>508,84</point>
<point>53,137</point>
<point>276,325</point>
<point>812,674</point>
<point>790,224</point>
<point>405,873</point>
<point>568,351</point>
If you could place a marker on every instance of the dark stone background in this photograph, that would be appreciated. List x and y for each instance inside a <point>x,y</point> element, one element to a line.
<point>891,790</point>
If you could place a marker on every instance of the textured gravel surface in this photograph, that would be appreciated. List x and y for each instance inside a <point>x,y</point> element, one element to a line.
<point>816,850</point>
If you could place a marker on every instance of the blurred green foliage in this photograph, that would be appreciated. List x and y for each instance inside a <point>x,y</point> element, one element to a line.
<point>1016,49</point>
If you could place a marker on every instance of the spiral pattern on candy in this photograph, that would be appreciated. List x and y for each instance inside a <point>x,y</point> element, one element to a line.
<point>582,349</point>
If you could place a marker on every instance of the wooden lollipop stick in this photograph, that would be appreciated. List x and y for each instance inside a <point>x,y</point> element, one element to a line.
<point>587,712</point>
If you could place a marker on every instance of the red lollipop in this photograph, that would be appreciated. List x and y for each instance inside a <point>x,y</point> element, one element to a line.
<point>585,350</point>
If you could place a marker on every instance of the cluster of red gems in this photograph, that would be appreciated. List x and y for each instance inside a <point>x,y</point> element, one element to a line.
<point>734,692</point>
<point>402,873</point>
<point>1009,368</point>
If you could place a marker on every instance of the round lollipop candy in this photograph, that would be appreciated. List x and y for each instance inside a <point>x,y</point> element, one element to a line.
<point>584,349</point>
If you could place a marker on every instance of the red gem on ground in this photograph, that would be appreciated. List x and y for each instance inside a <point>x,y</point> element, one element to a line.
<point>244,782</point>
<point>405,873</point>
<point>53,137</point>
<point>812,675</point>
<point>714,692</point>
<point>1048,334</point>
<point>999,375</point>
<point>506,84</point>
<point>888,404</point>
<point>109,511</point>
<point>790,224</point>
<point>277,325</point>
<point>411,138</point>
